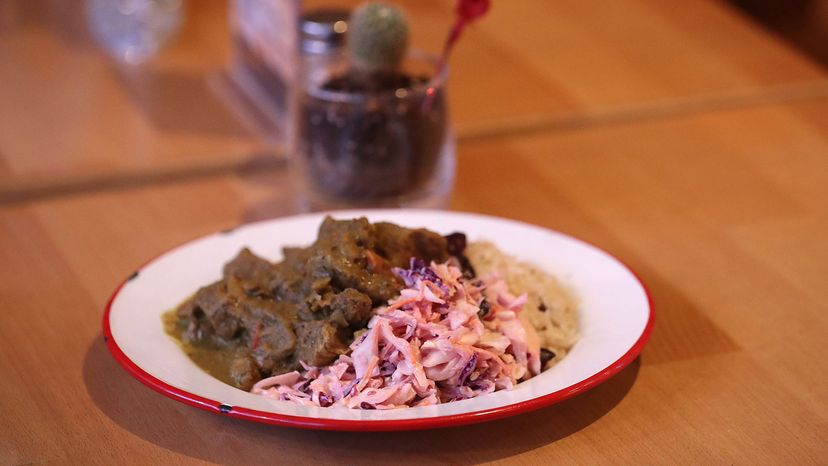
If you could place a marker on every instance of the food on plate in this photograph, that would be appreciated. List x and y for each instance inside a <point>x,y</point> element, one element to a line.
<point>550,309</point>
<point>444,338</point>
<point>377,316</point>
<point>263,318</point>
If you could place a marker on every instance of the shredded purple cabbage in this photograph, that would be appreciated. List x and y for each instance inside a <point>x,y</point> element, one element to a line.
<point>417,269</point>
<point>467,370</point>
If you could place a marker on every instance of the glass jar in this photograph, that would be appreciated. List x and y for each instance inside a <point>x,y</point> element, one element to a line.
<point>353,147</point>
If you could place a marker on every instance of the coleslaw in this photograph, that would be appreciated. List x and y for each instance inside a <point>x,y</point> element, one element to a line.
<point>444,338</point>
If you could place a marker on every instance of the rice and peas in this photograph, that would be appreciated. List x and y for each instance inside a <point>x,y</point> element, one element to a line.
<point>445,338</point>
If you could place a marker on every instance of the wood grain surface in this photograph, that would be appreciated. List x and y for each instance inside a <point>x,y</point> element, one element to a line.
<point>722,214</point>
<point>72,119</point>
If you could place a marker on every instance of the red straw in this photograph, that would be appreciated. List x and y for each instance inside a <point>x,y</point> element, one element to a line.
<point>466,11</point>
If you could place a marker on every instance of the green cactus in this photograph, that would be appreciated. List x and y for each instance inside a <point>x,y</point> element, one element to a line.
<point>377,37</point>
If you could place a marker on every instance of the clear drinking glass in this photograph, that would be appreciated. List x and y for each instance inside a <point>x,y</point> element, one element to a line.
<point>390,148</point>
<point>133,31</point>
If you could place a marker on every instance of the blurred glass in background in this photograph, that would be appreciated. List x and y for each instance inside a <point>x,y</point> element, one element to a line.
<point>133,31</point>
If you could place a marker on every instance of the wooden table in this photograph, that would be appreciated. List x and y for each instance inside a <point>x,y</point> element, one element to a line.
<point>719,205</point>
<point>74,120</point>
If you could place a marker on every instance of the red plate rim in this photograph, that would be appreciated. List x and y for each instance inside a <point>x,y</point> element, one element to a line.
<point>453,420</point>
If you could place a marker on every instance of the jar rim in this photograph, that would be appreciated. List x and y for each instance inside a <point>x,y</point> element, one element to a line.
<point>436,81</point>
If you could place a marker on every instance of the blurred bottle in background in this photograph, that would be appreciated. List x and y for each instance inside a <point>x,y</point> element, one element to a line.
<point>275,44</point>
<point>133,31</point>
<point>263,63</point>
<point>322,33</point>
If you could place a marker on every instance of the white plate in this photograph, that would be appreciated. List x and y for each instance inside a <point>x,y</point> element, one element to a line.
<point>615,312</point>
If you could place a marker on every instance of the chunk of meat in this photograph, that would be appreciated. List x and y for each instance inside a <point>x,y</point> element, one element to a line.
<point>198,328</point>
<point>353,305</point>
<point>350,271</point>
<point>244,373</point>
<point>399,245</point>
<point>338,233</point>
<point>221,309</point>
<point>255,273</point>
<point>221,313</point>
<point>348,308</point>
<point>276,342</point>
<point>339,255</point>
<point>319,343</point>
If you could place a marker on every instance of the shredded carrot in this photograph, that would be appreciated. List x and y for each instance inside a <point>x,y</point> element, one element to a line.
<point>402,302</point>
<point>372,364</point>
<point>256,336</point>
<point>375,262</point>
